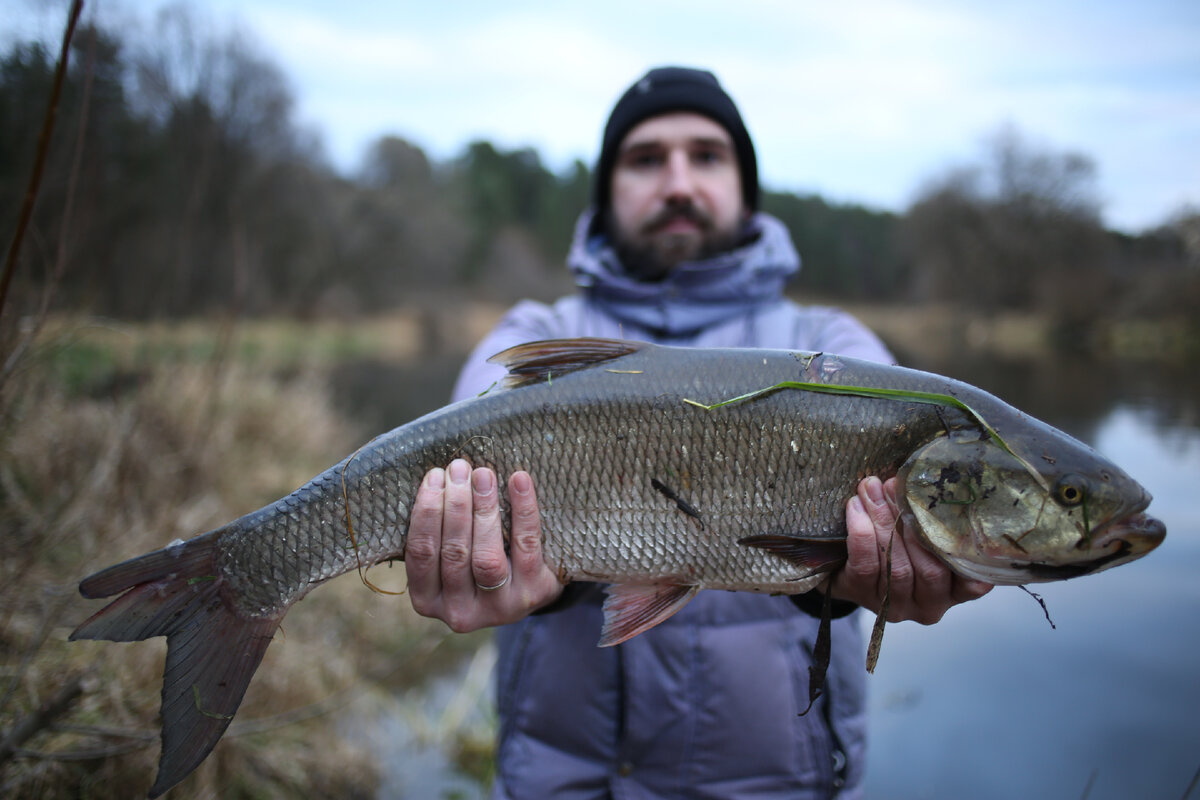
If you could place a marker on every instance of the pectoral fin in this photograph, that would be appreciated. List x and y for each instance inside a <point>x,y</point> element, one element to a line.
<point>817,555</point>
<point>630,609</point>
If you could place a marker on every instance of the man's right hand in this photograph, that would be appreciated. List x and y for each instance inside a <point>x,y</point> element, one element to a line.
<point>454,557</point>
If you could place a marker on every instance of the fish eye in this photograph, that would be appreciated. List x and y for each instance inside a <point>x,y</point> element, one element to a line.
<point>1070,490</point>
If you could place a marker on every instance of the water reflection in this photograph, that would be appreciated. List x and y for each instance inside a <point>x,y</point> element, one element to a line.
<point>418,734</point>
<point>1079,394</point>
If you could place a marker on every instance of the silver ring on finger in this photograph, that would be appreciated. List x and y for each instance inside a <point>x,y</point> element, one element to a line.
<point>483,588</point>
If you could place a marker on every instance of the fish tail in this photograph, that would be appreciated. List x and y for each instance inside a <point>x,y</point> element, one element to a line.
<point>212,650</point>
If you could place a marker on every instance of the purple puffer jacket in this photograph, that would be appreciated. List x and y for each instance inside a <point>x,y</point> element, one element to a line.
<point>705,705</point>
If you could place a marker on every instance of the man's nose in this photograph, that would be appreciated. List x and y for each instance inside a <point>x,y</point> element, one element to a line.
<point>678,178</point>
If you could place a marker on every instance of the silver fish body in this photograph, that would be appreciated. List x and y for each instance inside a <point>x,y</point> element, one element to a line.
<point>640,486</point>
<point>635,484</point>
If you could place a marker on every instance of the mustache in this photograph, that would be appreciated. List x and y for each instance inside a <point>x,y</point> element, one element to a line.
<point>682,211</point>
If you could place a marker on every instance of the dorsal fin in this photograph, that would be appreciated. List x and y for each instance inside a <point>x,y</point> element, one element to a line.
<point>535,362</point>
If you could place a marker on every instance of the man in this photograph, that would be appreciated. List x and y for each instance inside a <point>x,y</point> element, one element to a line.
<point>708,703</point>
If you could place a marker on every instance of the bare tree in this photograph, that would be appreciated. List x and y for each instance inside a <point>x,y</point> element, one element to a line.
<point>1021,229</point>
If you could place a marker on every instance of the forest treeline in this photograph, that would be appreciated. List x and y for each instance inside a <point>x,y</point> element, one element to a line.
<point>180,182</point>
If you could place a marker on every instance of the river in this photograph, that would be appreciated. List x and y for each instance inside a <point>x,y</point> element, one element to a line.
<point>993,702</point>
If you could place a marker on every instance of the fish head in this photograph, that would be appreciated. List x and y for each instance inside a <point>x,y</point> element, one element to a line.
<point>1000,518</point>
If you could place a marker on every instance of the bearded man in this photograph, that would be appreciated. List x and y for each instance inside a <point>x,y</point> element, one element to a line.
<point>707,704</point>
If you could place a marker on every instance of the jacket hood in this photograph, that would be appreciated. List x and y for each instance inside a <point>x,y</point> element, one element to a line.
<point>695,294</point>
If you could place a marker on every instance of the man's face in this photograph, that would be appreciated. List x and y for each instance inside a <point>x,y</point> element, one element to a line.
<point>676,193</point>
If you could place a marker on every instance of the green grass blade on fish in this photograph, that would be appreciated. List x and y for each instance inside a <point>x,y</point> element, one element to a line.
<point>209,714</point>
<point>932,398</point>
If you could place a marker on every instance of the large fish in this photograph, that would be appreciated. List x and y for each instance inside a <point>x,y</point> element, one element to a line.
<point>642,486</point>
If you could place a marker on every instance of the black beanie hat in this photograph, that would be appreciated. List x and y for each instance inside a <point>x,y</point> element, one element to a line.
<point>663,90</point>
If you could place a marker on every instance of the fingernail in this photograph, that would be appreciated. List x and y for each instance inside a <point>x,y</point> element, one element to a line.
<point>436,479</point>
<point>520,483</point>
<point>483,481</point>
<point>857,505</point>
<point>874,490</point>
<point>459,471</point>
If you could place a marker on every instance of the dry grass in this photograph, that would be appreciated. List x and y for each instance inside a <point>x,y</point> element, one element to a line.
<point>444,325</point>
<point>939,332</point>
<point>95,472</point>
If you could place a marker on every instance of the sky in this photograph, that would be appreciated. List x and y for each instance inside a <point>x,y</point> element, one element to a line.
<point>860,101</point>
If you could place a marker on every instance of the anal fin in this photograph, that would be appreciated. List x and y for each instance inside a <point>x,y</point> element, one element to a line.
<point>630,609</point>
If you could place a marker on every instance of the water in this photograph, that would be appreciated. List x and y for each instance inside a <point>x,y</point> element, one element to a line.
<point>992,702</point>
<point>417,734</point>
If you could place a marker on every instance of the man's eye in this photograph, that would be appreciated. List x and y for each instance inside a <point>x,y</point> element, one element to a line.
<point>643,160</point>
<point>708,157</point>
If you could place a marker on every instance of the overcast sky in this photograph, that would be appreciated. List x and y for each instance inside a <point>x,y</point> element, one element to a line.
<point>858,100</point>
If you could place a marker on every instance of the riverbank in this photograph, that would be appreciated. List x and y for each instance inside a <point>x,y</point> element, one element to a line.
<point>939,333</point>
<point>451,327</point>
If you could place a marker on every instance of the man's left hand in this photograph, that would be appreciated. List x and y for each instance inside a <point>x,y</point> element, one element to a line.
<point>921,588</point>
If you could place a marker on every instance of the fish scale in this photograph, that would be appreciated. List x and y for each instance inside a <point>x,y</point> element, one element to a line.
<point>642,488</point>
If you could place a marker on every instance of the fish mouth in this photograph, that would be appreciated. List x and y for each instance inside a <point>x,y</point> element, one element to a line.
<point>1130,537</point>
<point>1139,531</point>
<point>1062,572</point>
<point>1145,532</point>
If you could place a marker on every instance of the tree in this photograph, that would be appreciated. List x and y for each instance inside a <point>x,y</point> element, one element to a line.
<point>845,251</point>
<point>502,192</point>
<point>1020,230</point>
<point>404,235</point>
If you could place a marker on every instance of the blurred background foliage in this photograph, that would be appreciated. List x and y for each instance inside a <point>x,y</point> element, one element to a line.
<point>181,183</point>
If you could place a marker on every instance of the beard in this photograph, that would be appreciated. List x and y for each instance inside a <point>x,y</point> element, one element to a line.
<point>651,252</point>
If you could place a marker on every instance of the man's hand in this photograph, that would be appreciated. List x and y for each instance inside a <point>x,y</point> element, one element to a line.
<point>922,587</point>
<point>457,569</point>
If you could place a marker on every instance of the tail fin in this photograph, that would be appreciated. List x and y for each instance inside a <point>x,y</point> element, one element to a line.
<point>212,650</point>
